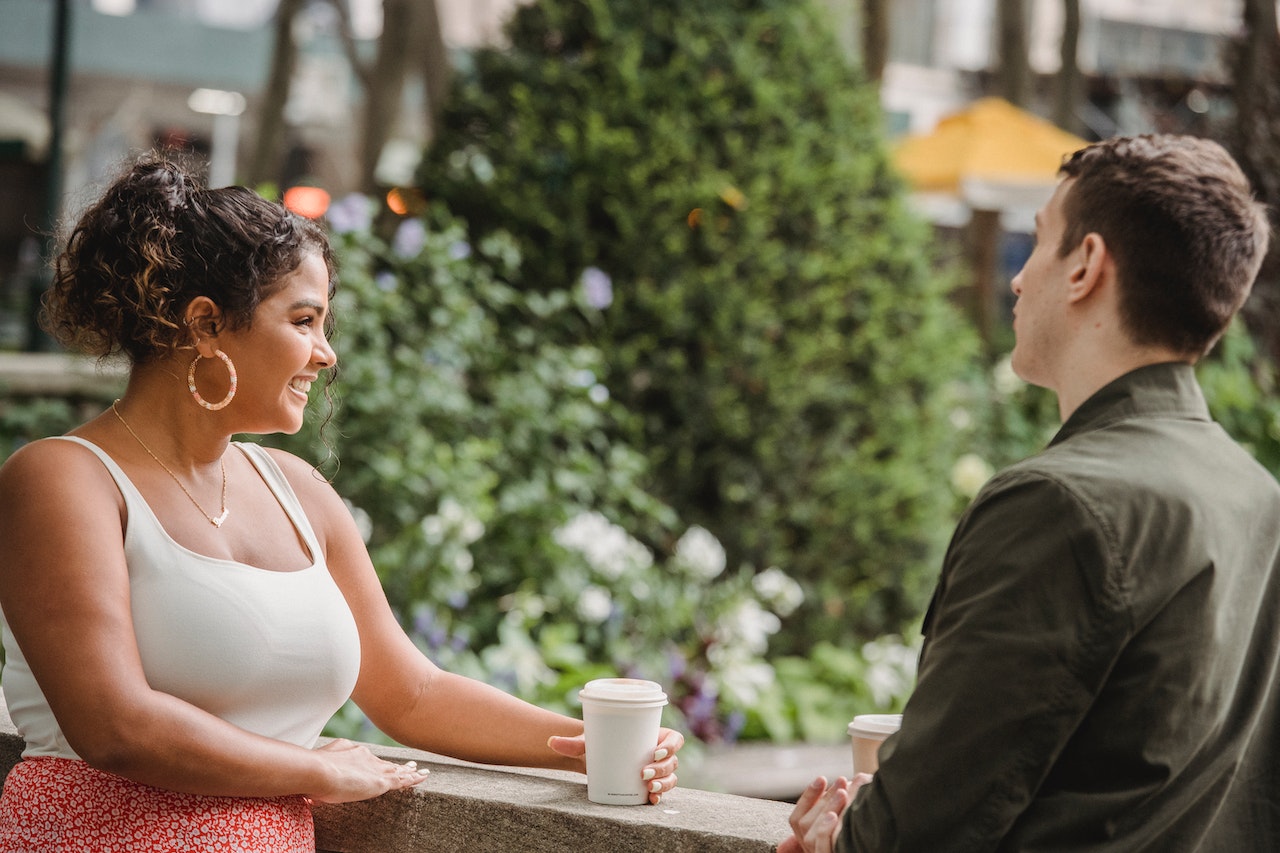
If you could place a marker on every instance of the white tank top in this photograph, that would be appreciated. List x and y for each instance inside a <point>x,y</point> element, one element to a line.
<point>275,653</point>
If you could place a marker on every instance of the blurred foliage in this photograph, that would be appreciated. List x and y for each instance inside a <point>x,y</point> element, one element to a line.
<point>24,419</point>
<point>509,527</point>
<point>711,178</point>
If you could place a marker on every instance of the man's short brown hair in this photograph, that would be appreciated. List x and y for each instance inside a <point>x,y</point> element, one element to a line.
<point>1179,217</point>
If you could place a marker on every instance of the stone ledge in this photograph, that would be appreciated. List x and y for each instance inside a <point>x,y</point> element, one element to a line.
<point>59,375</point>
<point>478,808</point>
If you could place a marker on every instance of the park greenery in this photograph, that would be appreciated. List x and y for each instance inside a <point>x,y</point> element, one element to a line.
<point>664,378</point>
<point>712,176</point>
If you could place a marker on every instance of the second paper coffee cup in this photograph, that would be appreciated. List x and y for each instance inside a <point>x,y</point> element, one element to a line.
<point>868,731</point>
<point>621,717</point>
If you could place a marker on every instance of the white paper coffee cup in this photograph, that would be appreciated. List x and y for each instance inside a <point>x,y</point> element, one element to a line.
<point>868,731</point>
<point>622,717</point>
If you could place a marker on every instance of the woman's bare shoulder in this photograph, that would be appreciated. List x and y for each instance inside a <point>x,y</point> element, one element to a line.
<point>54,468</point>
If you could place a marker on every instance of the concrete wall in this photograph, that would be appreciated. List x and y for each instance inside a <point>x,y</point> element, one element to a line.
<point>474,808</point>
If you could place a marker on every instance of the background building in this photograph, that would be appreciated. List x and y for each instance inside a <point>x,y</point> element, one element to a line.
<point>133,66</point>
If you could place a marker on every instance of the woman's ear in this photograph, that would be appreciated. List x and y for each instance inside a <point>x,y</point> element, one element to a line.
<point>204,320</point>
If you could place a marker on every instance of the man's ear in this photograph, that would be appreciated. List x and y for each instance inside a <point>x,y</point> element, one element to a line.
<point>1093,265</point>
<point>205,321</point>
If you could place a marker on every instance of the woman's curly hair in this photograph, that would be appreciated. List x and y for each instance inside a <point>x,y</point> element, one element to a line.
<point>157,239</point>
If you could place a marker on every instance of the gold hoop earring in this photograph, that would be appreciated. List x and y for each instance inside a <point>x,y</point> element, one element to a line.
<point>191,382</point>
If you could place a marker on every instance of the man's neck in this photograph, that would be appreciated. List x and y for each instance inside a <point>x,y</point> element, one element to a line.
<point>1093,374</point>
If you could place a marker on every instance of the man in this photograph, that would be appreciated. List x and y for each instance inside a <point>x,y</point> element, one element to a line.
<point>1102,650</point>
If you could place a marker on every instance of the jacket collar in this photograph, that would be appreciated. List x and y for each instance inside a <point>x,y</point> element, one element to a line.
<point>1168,389</point>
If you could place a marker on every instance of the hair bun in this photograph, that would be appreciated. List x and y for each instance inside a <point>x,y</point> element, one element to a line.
<point>160,185</point>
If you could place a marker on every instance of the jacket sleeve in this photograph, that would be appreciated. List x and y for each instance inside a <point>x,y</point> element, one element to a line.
<point>1026,620</point>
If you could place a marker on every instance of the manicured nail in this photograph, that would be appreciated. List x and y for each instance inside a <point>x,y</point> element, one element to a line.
<point>660,754</point>
<point>422,771</point>
<point>411,764</point>
<point>649,773</point>
<point>655,786</point>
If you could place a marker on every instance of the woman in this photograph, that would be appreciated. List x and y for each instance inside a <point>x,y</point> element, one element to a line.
<point>183,613</point>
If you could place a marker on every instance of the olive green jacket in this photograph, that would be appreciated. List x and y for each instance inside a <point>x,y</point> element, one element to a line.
<point>1101,655</point>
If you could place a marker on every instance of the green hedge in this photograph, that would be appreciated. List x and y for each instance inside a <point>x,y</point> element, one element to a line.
<point>712,176</point>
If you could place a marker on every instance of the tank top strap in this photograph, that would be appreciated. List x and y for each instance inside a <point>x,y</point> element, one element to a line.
<point>132,497</point>
<point>279,486</point>
<point>257,456</point>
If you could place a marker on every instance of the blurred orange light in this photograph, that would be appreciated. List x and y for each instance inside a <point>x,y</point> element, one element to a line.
<point>397,202</point>
<point>311,202</point>
<point>734,197</point>
<point>694,218</point>
<point>406,201</point>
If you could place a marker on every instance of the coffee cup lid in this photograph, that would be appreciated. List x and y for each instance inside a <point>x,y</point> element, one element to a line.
<point>624,691</point>
<point>875,724</point>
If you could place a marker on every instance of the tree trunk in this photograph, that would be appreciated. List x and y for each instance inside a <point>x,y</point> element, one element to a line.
<point>386,82</point>
<point>983,241</point>
<point>268,151</point>
<point>1069,88</point>
<point>875,38</point>
<point>1014,74</point>
<point>1257,144</point>
<point>437,70</point>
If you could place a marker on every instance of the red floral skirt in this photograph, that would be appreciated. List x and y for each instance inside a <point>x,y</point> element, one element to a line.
<point>57,805</point>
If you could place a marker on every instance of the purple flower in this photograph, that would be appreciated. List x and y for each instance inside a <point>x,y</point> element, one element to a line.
<point>353,212</point>
<point>733,726</point>
<point>459,250</point>
<point>385,280</point>
<point>597,288</point>
<point>410,237</point>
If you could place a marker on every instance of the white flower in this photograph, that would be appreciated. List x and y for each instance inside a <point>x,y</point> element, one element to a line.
<point>594,604</point>
<point>970,474</point>
<point>452,521</point>
<point>433,529</point>
<point>582,378</point>
<point>364,523</point>
<point>597,288</point>
<point>960,418</point>
<point>598,394</point>
<point>463,561</point>
<point>353,212</point>
<point>701,553</point>
<point>744,681</point>
<point>747,627</point>
<point>778,590</point>
<point>891,669</point>
<point>410,237</point>
<point>517,655</point>
<point>607,548</point>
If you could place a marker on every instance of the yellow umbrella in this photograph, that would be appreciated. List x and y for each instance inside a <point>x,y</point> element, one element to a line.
<point>995,157</point>
<point>990,141</point>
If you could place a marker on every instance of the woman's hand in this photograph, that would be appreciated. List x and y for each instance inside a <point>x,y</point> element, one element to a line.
<point>659,774</point>
<point>355,773</point>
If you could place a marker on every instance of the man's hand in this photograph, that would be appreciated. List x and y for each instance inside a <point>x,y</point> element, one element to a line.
<point>815,821</point>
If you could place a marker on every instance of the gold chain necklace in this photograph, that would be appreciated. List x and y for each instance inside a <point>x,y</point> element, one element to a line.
<point>215,521</point>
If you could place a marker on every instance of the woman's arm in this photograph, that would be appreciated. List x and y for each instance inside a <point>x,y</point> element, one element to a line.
<point>415,702</point>
<point>64,587</point>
